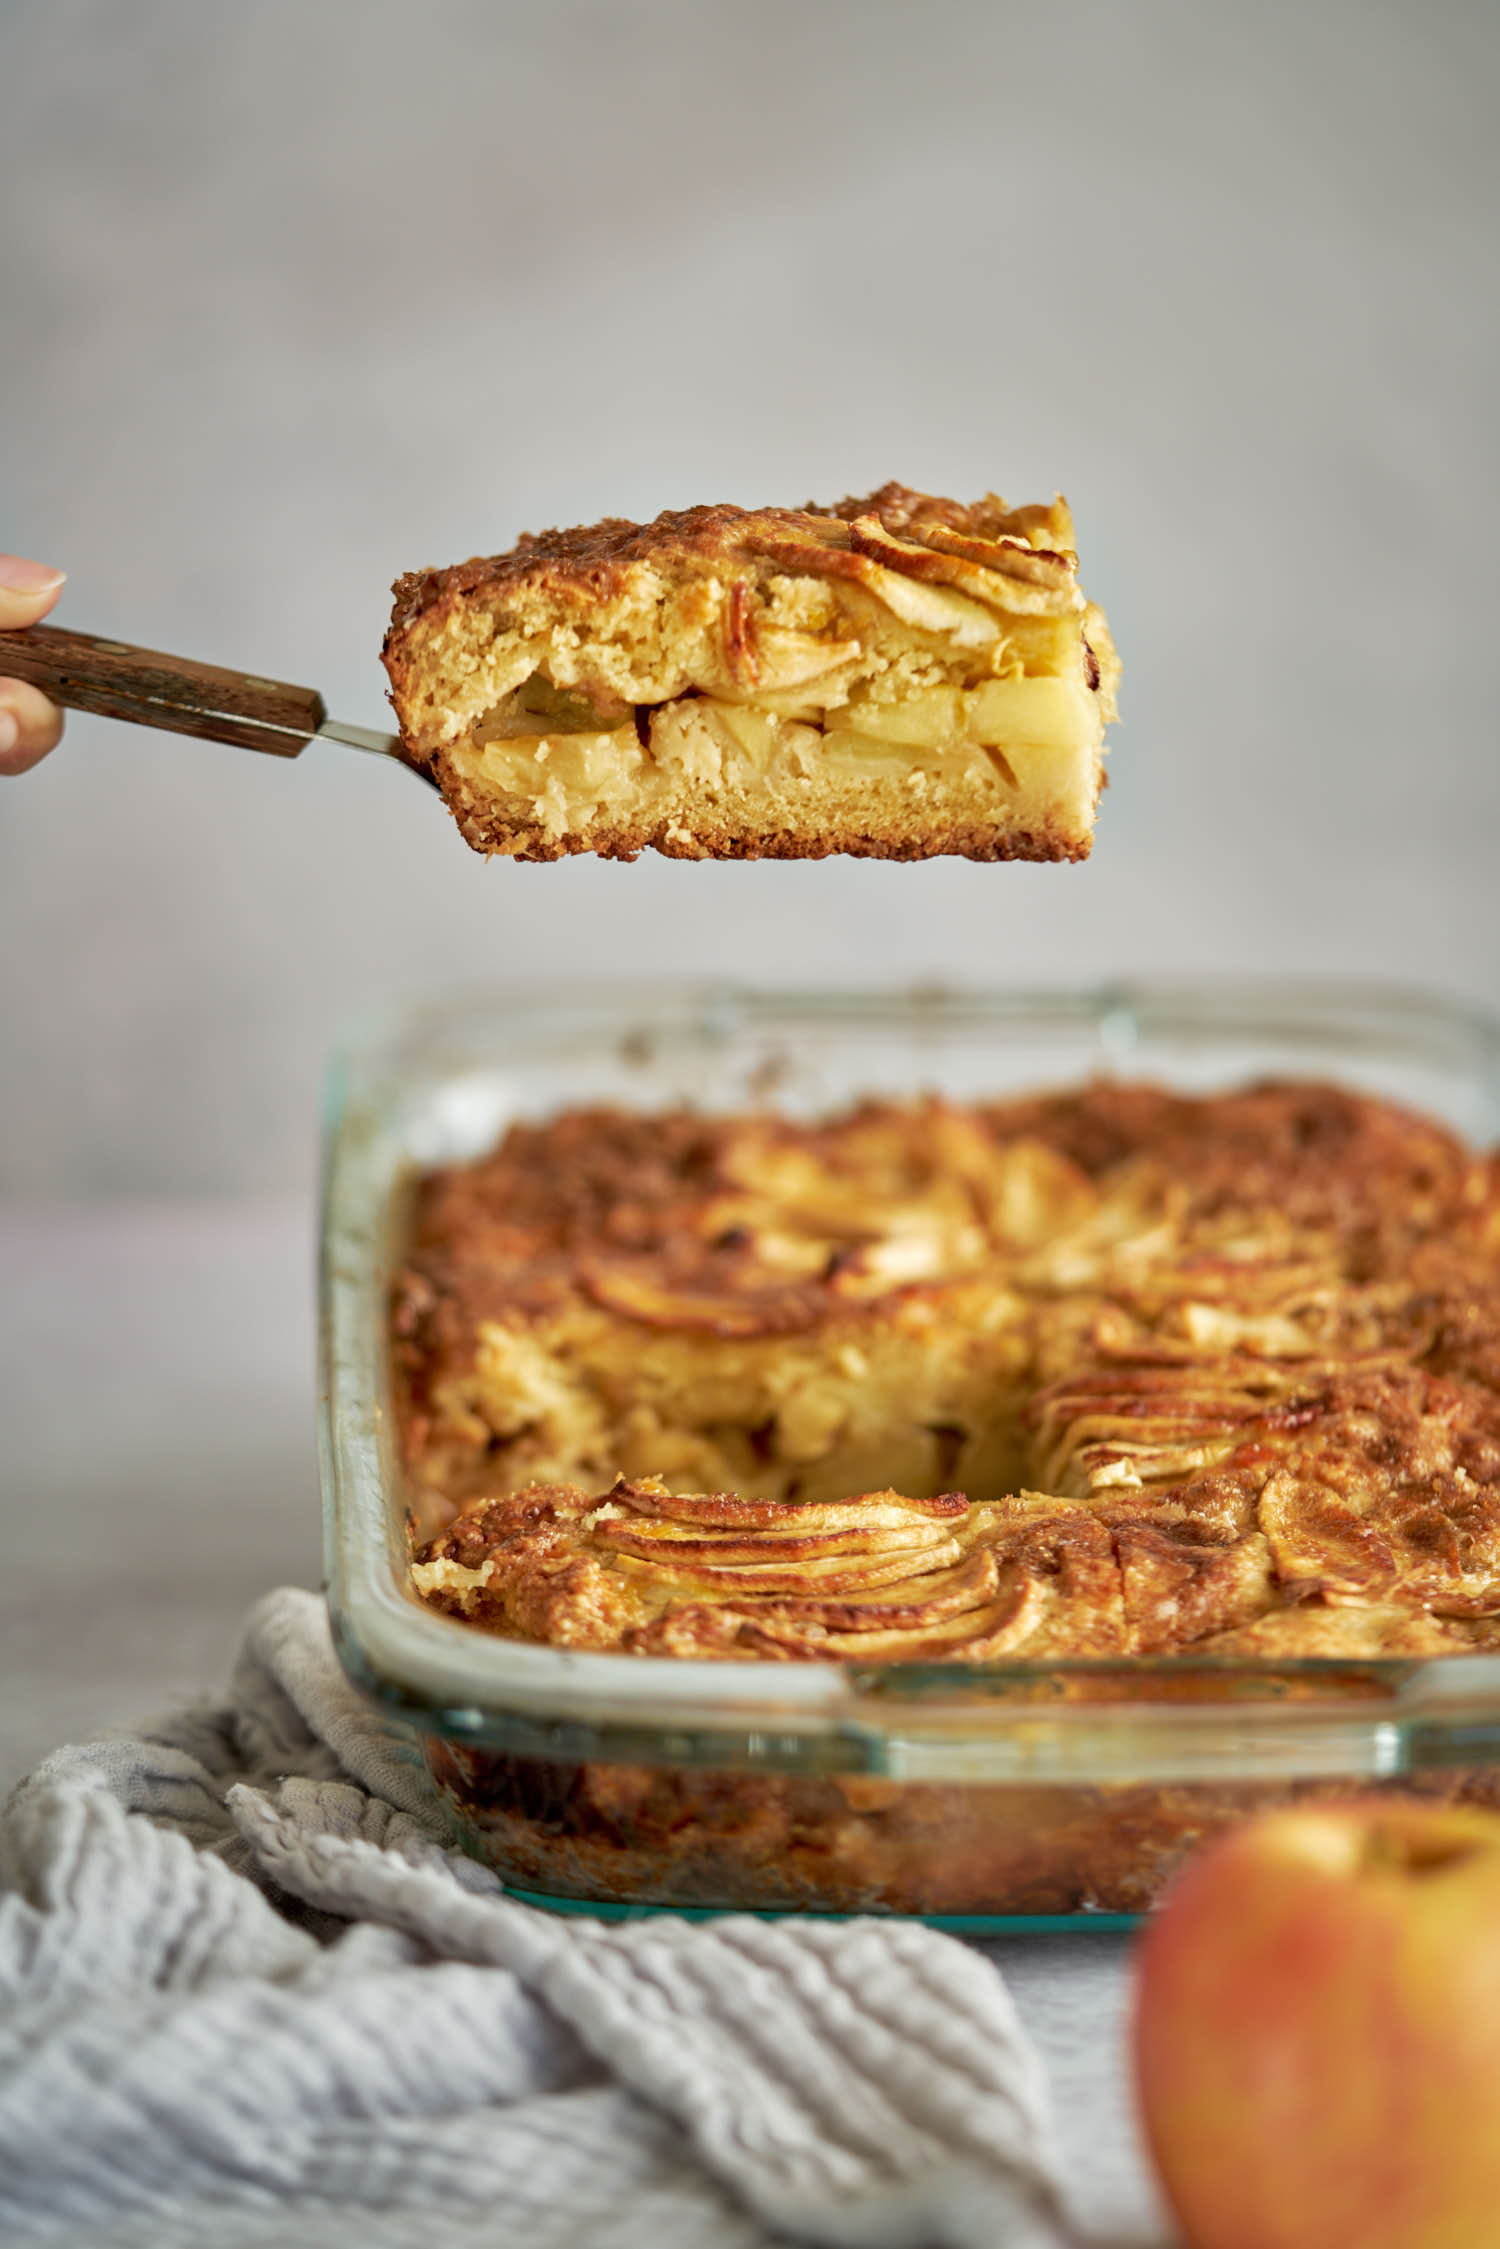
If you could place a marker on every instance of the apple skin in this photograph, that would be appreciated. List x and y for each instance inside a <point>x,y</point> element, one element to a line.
<point>1317,2033</point>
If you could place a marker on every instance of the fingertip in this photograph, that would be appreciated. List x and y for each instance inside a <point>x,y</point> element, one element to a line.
<point>18,575</point>
<point>30,726</point>
<point>27,590</point>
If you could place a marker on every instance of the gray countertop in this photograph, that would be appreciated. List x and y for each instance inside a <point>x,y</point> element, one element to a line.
<point>159,1471</point>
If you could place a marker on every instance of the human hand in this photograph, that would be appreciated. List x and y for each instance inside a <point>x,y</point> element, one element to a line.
<point>29,724</point>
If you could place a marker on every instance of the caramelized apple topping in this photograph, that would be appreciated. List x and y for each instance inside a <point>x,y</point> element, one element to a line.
<point>1110,1372</point>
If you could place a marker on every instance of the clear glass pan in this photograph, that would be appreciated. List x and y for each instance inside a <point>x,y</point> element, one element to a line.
<point>947,1790</point>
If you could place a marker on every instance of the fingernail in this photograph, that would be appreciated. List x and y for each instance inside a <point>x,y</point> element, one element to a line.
<point>20,576</point>
<point>10,733</point>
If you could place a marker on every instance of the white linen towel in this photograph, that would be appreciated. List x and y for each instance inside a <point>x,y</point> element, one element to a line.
<point>247,1997</point>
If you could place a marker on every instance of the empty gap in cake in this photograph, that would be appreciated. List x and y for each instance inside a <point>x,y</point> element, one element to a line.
<point>539,707</point>
<point>949,1438</point>
<point>762,1440</point>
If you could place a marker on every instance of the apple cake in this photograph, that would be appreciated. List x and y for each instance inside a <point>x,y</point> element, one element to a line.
<point>1111,1372</point>
<point>896,676</point>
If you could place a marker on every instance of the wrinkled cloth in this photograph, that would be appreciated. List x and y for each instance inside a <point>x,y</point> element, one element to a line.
<point>247,1996</point>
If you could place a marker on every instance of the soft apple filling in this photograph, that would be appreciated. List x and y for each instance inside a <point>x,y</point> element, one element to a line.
<point>1025,742</point>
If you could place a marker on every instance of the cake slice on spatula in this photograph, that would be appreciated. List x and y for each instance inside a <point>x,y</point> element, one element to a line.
<point>896,677</point>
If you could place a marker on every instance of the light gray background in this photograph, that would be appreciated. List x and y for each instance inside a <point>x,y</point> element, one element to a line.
<point>298,296</point>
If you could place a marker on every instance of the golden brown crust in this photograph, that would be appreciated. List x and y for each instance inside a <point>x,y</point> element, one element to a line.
<point>590,559</point>
<point>533,845</point>
<point>592,688</point>
<point>1217,1374</point>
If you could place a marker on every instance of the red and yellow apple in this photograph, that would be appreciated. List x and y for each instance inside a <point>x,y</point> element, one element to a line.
<point>1317,2033</point>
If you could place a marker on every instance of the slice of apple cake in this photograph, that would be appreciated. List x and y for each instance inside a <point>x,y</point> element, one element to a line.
<point>896,677</point>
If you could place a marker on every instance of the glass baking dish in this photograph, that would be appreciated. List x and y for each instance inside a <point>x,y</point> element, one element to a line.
<point>973,1796</point>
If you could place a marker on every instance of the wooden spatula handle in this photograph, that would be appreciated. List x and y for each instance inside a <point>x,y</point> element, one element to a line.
<point>84,673</point>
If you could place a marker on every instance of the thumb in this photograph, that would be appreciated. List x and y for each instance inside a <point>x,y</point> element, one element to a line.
<point>27,591</point>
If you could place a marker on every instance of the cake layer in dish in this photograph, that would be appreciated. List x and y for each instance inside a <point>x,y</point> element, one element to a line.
<point>1108,1372</point>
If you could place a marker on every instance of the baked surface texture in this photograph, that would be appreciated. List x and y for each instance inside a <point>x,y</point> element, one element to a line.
<point>1104,1373</point>
<point>895,676</point>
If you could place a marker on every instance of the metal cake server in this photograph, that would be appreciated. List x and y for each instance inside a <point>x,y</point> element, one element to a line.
<point>84,673</point>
